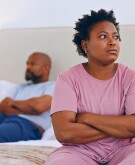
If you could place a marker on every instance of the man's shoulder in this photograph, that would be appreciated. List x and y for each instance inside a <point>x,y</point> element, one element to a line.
<point>49,83</point>
<point>26,84</point>
<point>39,87</point>
<point>29,90</point>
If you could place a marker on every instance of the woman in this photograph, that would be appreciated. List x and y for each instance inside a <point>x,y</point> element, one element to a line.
<point>93,105</point>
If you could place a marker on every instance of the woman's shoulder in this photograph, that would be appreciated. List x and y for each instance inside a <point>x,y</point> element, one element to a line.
<point>126,69</point>
<point>72,71</point>
<point>126,74</point>
<point>71,75</point>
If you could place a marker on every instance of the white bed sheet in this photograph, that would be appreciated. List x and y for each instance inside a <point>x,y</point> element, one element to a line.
<point>48,143</point>
<point>48,139</point>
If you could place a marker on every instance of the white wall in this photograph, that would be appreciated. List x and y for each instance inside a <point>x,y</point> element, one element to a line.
<point>17,44</point>
<point>48,13</point>
<point>36,15</point>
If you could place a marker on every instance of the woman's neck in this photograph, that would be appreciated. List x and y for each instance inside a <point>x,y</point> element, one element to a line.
<point>102,72</point>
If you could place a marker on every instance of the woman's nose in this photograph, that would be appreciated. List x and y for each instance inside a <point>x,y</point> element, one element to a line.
<point>111,42</point>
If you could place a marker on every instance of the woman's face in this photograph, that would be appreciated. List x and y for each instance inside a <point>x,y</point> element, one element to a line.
<point>103,46</point>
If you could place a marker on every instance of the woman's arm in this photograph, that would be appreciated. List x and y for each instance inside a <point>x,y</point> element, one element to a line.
<point>117,126</point>
<point>68,131</point>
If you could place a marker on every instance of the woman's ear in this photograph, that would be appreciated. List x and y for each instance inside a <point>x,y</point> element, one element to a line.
<point>84,45</point>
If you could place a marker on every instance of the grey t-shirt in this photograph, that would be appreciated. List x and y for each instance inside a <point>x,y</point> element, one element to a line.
<point>29,90</point>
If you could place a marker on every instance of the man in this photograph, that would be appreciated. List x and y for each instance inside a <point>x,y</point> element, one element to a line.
<point>26,115</point>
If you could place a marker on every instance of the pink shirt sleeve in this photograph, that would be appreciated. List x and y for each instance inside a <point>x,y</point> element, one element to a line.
<point>130,98</point>
<point>64,97</point>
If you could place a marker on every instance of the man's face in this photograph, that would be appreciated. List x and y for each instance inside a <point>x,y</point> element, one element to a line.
<point>35,68</point>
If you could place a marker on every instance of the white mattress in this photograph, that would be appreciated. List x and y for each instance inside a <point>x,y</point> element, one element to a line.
<point>48,143</point>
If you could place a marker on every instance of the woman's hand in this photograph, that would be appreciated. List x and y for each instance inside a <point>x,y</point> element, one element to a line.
<point>82,117</point>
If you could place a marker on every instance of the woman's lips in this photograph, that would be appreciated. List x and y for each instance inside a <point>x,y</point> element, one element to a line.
<point>112,51</point>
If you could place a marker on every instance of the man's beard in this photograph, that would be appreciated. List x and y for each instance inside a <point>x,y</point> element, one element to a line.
<point>32,77</point>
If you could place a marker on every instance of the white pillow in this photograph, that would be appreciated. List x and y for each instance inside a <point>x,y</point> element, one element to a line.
<point>6,89</point>
<point>49,134</point>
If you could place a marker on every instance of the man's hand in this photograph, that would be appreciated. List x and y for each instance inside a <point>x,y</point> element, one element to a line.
<point>6,103</point>
<point>6,106</point>
<point>33,106</point>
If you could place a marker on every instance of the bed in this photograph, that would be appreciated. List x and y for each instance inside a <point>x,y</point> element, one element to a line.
<point>24,155</point>
<point>22,42</point>
<point>32,152</point>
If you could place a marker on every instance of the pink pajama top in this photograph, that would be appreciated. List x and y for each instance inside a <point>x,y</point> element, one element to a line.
<point>79,92</point>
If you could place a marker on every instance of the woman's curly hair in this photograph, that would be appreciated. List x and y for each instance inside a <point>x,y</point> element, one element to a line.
<point>85,25</point>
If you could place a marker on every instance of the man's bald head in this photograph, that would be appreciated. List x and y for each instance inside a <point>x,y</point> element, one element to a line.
<point>44,57</point>
<point>38,67</point>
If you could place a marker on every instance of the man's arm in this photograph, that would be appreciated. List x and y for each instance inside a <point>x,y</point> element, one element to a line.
<point>117,126</point>
<point>6,107</point>
<point>68,131</point>
<point>33,106</point>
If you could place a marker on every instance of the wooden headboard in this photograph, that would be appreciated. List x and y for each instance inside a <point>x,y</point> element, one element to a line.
<point>17,44</point>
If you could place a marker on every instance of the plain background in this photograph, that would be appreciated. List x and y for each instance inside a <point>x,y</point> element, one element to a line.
<point>52,13</point>
<point>17,44</point>
<point>47,26</point>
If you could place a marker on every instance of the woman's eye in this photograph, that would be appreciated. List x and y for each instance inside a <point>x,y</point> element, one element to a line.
<point>103,36</point>
<point>116,37</point>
